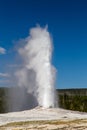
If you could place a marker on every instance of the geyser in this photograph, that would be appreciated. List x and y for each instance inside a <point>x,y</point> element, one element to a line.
<point>37,56</point>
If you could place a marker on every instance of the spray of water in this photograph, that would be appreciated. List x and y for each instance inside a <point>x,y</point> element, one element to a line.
<point>37,73</point>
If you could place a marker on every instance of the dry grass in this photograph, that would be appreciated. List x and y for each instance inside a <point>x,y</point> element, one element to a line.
<point>47,125</point>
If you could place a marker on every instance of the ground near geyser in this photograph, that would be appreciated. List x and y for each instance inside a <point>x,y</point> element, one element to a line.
<point>44,119</point>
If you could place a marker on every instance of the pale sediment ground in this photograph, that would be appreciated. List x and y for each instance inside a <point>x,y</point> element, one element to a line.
<point>52,118</point>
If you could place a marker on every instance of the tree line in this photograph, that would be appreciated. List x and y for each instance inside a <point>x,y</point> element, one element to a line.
<point>72,99</point>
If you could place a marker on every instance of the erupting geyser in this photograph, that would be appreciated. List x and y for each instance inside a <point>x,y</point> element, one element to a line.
<point>37,55</point>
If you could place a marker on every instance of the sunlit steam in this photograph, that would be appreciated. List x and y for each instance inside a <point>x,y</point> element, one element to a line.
<point>38,74</point>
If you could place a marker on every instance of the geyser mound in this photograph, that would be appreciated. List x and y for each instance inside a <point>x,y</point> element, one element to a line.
<point>37,73</point>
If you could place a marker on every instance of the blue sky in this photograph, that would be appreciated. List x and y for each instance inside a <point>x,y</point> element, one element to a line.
<point>67,23</point>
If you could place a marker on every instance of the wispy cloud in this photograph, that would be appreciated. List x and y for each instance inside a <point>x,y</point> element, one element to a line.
<point>4,75</point>
<point>14,65</point>
<point>2,50</point>
<point>4,81</point>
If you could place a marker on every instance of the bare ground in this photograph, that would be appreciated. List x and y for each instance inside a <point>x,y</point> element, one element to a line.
<point>44,119</point>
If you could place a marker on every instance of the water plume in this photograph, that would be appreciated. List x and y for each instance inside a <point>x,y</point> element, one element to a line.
<point>37,73</point>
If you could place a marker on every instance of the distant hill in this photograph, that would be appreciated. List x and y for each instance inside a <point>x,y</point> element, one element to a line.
<point>73,92</point>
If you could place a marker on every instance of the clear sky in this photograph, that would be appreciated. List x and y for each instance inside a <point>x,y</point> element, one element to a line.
<point>67,23</point>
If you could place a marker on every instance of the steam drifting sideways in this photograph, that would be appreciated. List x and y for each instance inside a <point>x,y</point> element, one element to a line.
<point>37,56</point>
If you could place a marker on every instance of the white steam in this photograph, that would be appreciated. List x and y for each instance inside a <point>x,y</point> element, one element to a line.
<point>37,73</point>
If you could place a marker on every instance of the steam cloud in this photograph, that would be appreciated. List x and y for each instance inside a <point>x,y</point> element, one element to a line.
<point>37,74</point>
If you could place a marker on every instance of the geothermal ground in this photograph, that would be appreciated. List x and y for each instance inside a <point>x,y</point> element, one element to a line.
<point>44,119</point>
